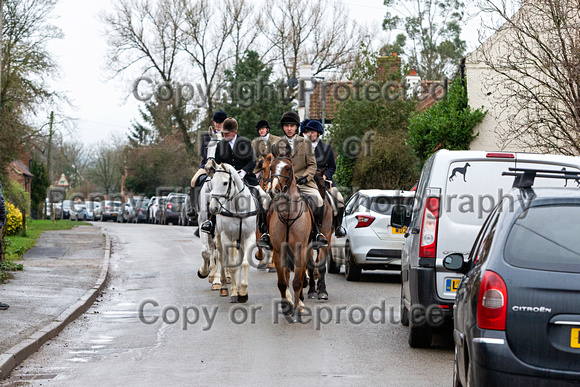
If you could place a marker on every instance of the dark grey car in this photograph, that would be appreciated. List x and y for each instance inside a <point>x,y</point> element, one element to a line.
<point>517,312</point>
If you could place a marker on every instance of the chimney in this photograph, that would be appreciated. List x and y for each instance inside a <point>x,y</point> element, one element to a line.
<point>387,65</point>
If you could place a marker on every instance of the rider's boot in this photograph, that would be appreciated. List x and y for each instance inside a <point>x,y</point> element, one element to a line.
<point>320,240</point>
<point>339,231</point>
<point>191,211</point>
<point>264,241</point>
<point>208,226</point>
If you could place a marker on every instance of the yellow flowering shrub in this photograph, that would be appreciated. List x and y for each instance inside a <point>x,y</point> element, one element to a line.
<point>13,219</point>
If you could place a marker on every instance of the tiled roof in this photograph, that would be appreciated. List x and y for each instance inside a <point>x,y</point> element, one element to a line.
<point>432,91</point>
<point>20,168</point>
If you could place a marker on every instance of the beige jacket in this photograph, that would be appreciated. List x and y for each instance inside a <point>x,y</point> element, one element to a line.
<point>303,159</point>
<point>261,149</point>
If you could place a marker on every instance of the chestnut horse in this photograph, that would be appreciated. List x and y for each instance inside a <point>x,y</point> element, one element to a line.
<point>290,227</point>
<point>264,182</point>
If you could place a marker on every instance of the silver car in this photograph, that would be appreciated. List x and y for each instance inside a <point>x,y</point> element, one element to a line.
<point>371,242</point>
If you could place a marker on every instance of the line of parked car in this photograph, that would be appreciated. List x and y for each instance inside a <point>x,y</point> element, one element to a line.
<point>170,209</point>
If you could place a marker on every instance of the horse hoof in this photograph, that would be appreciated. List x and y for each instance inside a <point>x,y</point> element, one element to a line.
<point>201,275</point>
<point>224,292</point>
<point>243,299</point>
<point>233,299</point>
<point>262,266</point>
<point>323,296</point>
<point>312,295</point>
<point>271,270</point>
<point>216,287</point>
<point>229,280</point>
<point>259,259</point>
<point>297,316</point>
<point>286,308</point>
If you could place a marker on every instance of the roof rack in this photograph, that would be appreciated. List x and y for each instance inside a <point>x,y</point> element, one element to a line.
<point>525,177</point>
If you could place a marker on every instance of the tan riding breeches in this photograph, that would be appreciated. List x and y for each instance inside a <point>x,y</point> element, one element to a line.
<point>311,190</point>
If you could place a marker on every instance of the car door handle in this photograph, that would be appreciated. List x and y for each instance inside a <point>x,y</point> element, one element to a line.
<point>414,230</point>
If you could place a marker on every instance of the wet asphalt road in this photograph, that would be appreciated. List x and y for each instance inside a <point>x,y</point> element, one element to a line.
<point>229,344</point>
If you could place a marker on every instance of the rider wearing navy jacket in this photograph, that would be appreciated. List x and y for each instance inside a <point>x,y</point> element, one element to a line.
<point>325,161</point>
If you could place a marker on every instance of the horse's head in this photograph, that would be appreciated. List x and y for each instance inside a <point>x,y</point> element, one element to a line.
<point>224,185</point>
<point>265,179</point>
<point>281,175</point>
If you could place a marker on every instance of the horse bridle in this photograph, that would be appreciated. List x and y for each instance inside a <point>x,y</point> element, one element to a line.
<point>227,194</point>
<point>288,178</point>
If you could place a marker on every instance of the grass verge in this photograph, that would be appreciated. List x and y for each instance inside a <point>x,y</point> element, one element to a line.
<point>17,245</point>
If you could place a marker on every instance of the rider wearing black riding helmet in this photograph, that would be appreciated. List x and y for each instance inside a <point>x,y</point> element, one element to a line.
<point>262,145</point>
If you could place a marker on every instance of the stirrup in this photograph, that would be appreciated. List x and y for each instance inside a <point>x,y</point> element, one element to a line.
<point>264,242</point>
<point>319,241</point>
<point>340,232</point>
<point>207,227</point>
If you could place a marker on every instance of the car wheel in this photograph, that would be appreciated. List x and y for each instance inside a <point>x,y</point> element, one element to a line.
<point>352,271</point>
<point>419,335</point>
<point>404,311</point>
<point>332,266</point>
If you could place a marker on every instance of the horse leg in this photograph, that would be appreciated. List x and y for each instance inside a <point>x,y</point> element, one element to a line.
<point>322,294</point>
<point>204,270</point>
<point>234,272</point>
<point>222,263</point>
<point>285,302</point>
<point>298,281</point>
<point>243,294</point>
<point>311,280</point>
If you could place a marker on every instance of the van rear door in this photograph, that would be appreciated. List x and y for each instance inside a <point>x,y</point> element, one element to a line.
<point>472,190</point>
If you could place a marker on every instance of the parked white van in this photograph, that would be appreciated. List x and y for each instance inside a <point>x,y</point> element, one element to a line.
<point>456,192</point>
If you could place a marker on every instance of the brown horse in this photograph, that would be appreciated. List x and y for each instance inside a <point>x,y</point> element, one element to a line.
<point>264,182</point>
<point>290,227</point>
<point>317,268</point>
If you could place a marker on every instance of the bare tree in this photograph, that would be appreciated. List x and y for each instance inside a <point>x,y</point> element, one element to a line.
<point>26,65</point>
<point>534,73</point>
<point>107,167</point>
<point>314,32</point>
<point>215,33</point>
<point>148,34</point>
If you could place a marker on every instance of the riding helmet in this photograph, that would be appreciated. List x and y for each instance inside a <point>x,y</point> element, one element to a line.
<point>303,124</point>
<point>220,116</point>
<point>290,118</point>
<point>314,125</point>
<point>262,124</point>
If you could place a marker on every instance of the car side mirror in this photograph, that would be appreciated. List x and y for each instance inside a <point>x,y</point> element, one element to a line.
<point>399,218</point>
<point>454,262</point>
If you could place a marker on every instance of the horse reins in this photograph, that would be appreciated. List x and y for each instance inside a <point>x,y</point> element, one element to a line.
<point>287,221</point>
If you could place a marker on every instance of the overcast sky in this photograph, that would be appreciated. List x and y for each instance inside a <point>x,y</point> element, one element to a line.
<point>102,108</point>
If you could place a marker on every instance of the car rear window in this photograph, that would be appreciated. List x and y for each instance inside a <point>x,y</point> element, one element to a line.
<point>384,204</point>
<point>545,238</point>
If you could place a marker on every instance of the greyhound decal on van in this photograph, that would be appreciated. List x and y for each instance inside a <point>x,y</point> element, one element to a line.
<point>460,170</point>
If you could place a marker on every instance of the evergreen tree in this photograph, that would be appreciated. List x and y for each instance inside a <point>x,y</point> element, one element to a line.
<point>253,97</point>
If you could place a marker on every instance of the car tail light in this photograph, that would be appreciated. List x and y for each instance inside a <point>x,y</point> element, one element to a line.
<point>168,206</point>
<point>492,302</point>
<point>498,155</point>
<point>106,207</point>
<point>364,221</point>
<point>140,210</point>
<point>429,228</point>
